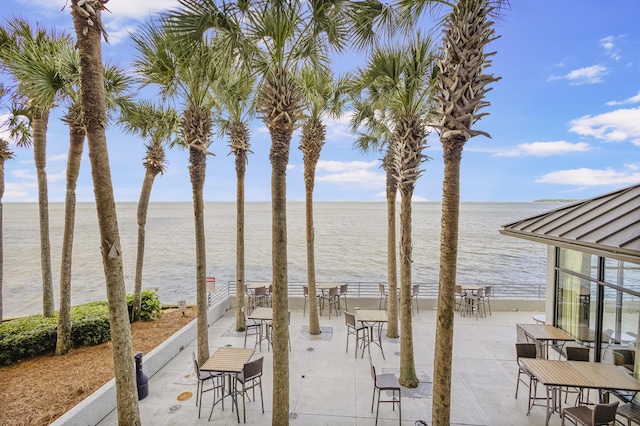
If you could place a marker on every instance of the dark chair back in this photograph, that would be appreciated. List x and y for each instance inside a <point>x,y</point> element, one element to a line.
<point>416,289</point>
<point>525,350</point>
<point>252,369</point>
<point>577,353</point>
<point>603,414</point>
<point>373,372</point>
<point>343,289</point>
<point>349,319</point>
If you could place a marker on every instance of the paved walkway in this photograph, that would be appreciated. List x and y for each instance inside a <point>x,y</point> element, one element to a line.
<point>330,387</point>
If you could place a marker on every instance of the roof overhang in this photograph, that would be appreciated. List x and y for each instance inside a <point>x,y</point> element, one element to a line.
<point>607,225</point>
<point>612,253</point>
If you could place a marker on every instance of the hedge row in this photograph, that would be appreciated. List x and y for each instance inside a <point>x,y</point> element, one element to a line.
<point>36,335</point>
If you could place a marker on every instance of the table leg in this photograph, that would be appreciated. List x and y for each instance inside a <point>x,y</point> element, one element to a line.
<point>372,338</point>
<point>225,393</point>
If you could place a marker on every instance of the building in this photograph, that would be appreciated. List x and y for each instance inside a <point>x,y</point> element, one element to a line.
<point>593,268</point>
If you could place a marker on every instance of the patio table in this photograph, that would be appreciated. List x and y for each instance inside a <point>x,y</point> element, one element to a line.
<point>264,315</point>
<point>556,375</point>
<point>371,318</point>
<point>229,361</point>
<point>546,334</point>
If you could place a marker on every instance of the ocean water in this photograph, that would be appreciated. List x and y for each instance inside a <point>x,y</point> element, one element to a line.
<point>350,245</point>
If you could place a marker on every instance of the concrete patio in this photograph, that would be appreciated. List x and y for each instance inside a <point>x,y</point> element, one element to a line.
<point>330,387</point>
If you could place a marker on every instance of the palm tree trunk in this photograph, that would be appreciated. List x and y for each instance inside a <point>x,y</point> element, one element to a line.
<point>94,107</point>
<point>143,208</point>
<point>5,154</point>
<point>76,146</point>
<point>408,377</point>
<point>314,321</point>
<point>313,137</point>
<point>446,287</point>
<point>40,158</point>
<point>241,161</point>
<point>196,128</point>
<point>392,268</point>
<point>279,156</point>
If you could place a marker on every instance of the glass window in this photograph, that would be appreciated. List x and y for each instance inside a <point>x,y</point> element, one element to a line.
<point>620,327</point>
<point>576,306</point>
<point>581,263</point>
<point>623,274</point>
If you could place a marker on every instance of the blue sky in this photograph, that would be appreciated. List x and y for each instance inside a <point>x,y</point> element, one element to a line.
<point>564,119</point>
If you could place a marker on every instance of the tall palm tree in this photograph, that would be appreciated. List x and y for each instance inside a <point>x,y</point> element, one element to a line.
<point>89,31</point>
<point>185,72</point>
<point>5,154</point>
<point>323,96</point>
<point>159,125</point>
<point>235,92</point>
<point>400,79</point>
<point>117,84</point>
<point>275,38</point>
<point>374,133</point>
<point>30,56</point>
<point>462,86</point>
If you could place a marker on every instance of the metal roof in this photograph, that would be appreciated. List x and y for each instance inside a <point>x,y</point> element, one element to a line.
<point>607,225</point>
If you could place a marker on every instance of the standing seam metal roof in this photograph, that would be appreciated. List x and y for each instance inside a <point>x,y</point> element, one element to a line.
<point>607,225</point>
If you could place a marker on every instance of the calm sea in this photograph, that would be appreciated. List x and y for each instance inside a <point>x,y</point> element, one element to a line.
<point>350,243</point>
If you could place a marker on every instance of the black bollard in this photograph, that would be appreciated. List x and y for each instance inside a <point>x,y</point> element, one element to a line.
<point>141,379</point>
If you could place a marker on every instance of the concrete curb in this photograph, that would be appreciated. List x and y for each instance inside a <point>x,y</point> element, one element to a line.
<point>102,402</point>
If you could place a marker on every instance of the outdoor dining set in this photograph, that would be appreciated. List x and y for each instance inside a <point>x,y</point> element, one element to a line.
<point>572,376</point>
<point>233,372</point>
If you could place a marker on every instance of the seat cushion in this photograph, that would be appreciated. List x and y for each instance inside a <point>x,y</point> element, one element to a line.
<point>387,381</point>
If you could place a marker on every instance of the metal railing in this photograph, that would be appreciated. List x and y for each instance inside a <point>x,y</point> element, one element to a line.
<point>427,290</point>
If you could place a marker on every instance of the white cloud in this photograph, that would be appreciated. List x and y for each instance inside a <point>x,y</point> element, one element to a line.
<point>632,100</point>
<point>20,192</point>
<point>544,149</point>
<point>609,47</point>
<point>614,126</point>
<point>58,158</point>
<point>341,166</point>
<point>338,128</point>
<point>592,177</point>
<point>26,174</point>
<point>587,75</point>
<point>351,174</point>
<point>138,9</point>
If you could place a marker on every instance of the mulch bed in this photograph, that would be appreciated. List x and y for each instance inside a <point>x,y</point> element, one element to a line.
<point>39,390</point>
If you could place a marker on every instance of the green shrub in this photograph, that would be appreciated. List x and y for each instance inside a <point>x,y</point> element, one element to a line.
<point>35,335</point>
<point>150,306</point>
<point>90,324</point>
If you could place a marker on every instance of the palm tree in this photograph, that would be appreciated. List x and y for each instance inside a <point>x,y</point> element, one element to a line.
<point>274,39</point>
<point>186,72</point>
<point>235,93</point>
<point>30,56</point>
<point>94,107</point>
<point>323,96</point>
<point>117,83</point>
<point>158,125</point>
<point>5,154</point>
<point>462,86</point>
<point>374,133</point>
<point>399,81</point>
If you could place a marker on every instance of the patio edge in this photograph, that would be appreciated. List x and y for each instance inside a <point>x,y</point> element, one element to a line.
<point>102,402</point>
